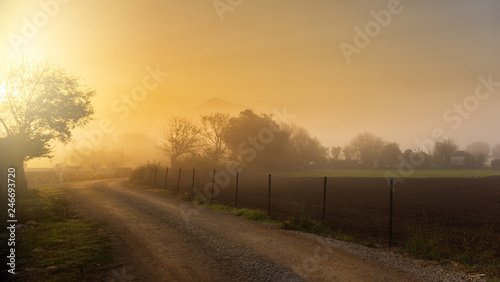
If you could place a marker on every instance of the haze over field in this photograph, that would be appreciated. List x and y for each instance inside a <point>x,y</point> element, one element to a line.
<point>398,69</point>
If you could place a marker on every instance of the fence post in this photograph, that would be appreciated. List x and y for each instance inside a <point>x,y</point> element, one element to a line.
<point>269,198</point>
<point>390,212</point>
<point>179,179</point>
<point>236,193</point>
<point>149,176</point>
<point>213,184</point>
<point>154,180</point>
<point>192,184</point>
<point>324,201</point>
<point>166,178</point>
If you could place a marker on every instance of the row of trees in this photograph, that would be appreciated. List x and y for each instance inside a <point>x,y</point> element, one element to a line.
<point>253,140</point>
<point>259,141</point>
<point>368,150</point>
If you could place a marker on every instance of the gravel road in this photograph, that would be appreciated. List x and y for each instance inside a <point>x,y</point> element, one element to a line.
<point>157,238</point>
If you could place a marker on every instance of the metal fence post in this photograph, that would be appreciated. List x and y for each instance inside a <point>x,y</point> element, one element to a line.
<point>179,179</point>
<point>269,198</point>
<point>154,180</point>
<point>166,178</point>
<point>324,201</point>
<point>236,192</point>
<point>390,212</point>
<point>213,184</point>
<point>192,183</point>
<point>149,176</point>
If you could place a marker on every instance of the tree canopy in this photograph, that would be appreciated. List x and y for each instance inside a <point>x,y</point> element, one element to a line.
<point>40,104</point>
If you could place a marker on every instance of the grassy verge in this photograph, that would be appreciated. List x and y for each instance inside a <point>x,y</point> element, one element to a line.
<point>435,246</point>
<point>255,215</point>
<point>57,246</point>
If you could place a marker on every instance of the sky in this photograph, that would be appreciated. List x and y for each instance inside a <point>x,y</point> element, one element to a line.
<point>403,70</point>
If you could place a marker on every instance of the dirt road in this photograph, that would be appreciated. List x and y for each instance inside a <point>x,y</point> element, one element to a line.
<point>157,238</point>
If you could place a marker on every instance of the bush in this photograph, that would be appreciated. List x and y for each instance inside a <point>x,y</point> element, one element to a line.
<point>141,173</point>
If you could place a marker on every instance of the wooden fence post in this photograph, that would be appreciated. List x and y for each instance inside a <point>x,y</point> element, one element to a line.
<point>324,201</point>
<point>269,198</point>
<point>213,185</point>
<point>192,184</point>
<point>390,211</point>
<point>236,193</point>
<point>179,180</point>
<point>166,178</point>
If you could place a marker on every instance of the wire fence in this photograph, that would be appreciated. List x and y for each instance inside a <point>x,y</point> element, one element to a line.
<point>459,212</point>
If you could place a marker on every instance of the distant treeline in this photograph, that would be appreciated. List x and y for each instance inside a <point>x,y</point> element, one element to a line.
<point>264,142</point>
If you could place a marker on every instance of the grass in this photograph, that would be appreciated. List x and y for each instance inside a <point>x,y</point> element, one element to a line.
<point>256,215</point>
<point>304,223</point>
<point>381,173</point>
<point>432,245</point>
<point>70,244</point>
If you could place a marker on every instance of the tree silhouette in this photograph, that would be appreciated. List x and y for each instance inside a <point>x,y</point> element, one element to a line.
<point>390,155</point>
<point>495,151</point>
<point>443,149</point>
<point>179,136</point>
<point>40,104</point>
<point>367,147</point>
<point>214,128</point>
<point>479,152</point>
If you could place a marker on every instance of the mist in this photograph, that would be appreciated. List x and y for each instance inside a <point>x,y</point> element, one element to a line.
<point>401,70</point>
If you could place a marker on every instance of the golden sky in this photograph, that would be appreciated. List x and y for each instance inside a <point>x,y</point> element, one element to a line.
<point>267,55</point>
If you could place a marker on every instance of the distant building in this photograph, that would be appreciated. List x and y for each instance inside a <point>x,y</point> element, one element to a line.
<point>458,158</point>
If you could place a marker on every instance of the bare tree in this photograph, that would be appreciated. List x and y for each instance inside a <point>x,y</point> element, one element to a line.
<point>179,136</point>
<point>368,147</point>
<point>349,153</point>
<point>214,127</point>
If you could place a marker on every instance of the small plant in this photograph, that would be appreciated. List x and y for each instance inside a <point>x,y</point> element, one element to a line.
<point>422,245</point>
<point>302,222</point>
<point>256,215</point>
<point>184,197</point>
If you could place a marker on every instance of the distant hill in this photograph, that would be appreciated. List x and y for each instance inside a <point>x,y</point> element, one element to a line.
<point>215,105</point>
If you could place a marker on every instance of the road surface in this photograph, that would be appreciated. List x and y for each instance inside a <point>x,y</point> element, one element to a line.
<point>160,238</point>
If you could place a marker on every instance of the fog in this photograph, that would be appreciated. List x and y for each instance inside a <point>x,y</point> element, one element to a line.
<point>402,70</point>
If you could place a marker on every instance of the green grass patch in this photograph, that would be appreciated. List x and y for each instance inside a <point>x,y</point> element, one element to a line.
<point>381,173</point>
<point>70,244</point>
<point>256,215</point>
<point>433,245</point>
<point>423,246</point>
<point>304,223</point>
